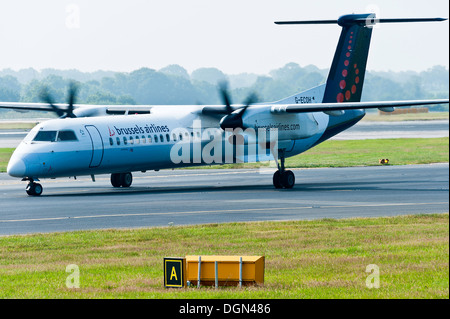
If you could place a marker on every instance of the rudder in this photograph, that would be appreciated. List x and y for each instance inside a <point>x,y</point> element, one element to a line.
<point>346,76</point>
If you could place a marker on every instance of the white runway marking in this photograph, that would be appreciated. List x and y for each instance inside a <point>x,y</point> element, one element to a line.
<point>247,210</point>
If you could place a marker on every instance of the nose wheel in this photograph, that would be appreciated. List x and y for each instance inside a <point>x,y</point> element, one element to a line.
<point>34,189</point>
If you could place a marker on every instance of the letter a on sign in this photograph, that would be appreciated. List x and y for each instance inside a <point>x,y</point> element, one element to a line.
<point>173,274</point>
<point>174,269</point>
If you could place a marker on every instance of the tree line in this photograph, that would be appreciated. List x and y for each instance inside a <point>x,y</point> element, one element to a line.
<point>174,85</point>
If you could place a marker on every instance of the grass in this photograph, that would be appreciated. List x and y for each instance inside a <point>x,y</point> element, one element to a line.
<point>375,117</point>
<point>335,153</point>
<point>5,154</point>
<point>369,152</point>
<point>304,259</point>
<point>17,125</point>
<point>343,153</point>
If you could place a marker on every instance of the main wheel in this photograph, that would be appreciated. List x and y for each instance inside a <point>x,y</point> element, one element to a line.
<point>126,179</point>
<point>34,189</point>
<point>288,179</point>
<point>277,180</point>
<point>115,180</point>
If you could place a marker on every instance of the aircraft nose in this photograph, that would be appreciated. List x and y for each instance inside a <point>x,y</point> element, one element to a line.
<point>16,168</point>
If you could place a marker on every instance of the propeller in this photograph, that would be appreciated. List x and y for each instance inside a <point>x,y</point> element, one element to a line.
<point>233,119</point>
<point>62,113</point>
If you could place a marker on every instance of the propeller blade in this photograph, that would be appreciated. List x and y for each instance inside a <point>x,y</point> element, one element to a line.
<point>46,98</point>
<point>63,113</point>
<point>223,90</point>
<point>234,120</point>
<point>71,101</point>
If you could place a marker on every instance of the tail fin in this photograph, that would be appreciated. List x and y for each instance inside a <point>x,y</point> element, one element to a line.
<point>346,77</point>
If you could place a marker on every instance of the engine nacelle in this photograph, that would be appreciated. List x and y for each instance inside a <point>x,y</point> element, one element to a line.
<point>289,126</point>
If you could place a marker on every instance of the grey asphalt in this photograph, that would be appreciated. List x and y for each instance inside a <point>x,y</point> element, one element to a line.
<point>403,129</point>
<point>181,197</point>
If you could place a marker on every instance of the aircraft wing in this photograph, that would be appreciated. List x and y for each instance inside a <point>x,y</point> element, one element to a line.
<point>83,110</point>
<point>26,106</point>
<point>327,107</point>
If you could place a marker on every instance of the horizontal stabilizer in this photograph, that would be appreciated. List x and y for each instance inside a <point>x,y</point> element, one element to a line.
<point>361,20</point>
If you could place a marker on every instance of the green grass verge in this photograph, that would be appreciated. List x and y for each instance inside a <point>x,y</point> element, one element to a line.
<point>369,152</point>
<point>5,154</point>
<point>334,153</point>
<point>304,259</point>
<point>375,117</point>
<point>17,125</point>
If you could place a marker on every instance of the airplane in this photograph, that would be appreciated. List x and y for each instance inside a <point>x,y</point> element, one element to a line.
<point>118,140</point>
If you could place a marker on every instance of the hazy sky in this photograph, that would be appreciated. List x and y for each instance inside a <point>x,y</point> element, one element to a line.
<point>235,36</point>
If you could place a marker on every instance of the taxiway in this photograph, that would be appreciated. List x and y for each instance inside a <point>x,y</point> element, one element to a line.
<point>193,196</point>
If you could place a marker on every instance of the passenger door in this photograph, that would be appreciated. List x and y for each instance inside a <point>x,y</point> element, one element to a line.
<point>97,146</point>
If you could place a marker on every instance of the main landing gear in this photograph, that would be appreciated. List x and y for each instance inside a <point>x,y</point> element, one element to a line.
<point>121,179</point>
<point>33,189</point>
<point>283,178</point>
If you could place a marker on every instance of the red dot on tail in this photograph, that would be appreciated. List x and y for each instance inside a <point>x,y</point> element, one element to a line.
<point>357,80</point>
<point>357,71</point>
<point>347,54</point>
<point>353,89</point>
<point>346,62</point>
<point>347,95</point>
<point>340,98</point>
<point>344,73</point>
<point>342,84</point>
<point>355,65</point>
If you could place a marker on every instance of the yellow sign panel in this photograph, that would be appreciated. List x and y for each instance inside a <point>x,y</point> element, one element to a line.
<point>228,271</point>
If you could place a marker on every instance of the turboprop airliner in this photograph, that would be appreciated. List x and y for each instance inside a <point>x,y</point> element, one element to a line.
<point>119,140</point>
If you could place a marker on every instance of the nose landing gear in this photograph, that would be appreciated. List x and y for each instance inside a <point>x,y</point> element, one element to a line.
<point>34,189</point>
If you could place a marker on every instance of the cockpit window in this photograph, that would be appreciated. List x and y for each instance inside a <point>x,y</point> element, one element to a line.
<point>45,136</point>
<point>66,136</point>
<point>52,136</point>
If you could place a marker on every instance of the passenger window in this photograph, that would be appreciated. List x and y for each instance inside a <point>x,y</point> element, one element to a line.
<point>144,140</point>
<point>149,139</point>
<point>131,140</point>
<point>167,137</point>
<point>125,142</point>
<point>161,137</point>
<point>137,140</point>
<point>118,140</point>
<point>155,138</point>
<point>181,137</point>
<point>111,142</point>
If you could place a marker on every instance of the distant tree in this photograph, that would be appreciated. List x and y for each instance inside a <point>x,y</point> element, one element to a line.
<point>210,75</point>
<point>435,79</point>
<point>173,85</point>
<point>9,89</point>
<point>175,70</point>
